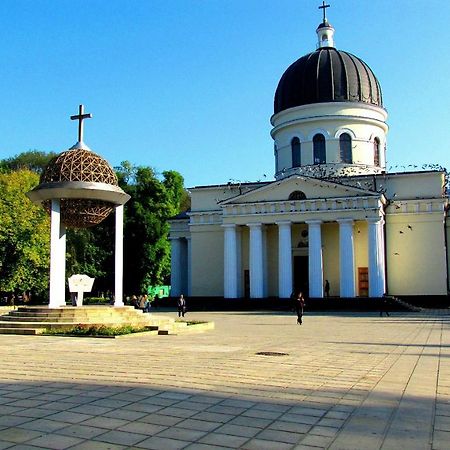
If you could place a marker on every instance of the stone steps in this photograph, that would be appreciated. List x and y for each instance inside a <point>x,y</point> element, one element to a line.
<point>34,320</point>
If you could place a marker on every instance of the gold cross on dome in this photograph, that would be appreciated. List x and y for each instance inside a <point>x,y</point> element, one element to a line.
<point>324,7</point>
<point>80,117</point>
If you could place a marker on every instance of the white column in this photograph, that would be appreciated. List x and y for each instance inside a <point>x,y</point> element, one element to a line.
<point>57,257</point>
<point>62,263</point>
<point>256,261</point>
<point>175,266</point>
<point>265,268</point>
<point>346,258</point>
<point>376,258</point>
<point>230,270</point>
<point>118,258</point>
<point>284,259</point>
<point>315,259</point>
<point>189,265</point>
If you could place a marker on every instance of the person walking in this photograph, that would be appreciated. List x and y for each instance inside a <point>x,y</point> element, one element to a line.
<point>384,307</point>
<point>299,305</point>
<point>181,306</point>
<point>327,288</point>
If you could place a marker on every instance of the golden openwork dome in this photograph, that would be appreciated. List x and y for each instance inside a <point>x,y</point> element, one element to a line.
<point>79,164</point>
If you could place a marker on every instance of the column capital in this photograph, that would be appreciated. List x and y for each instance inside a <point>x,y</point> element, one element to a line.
<point>254,225</point>
<point>229,225</point>
<point>283,223</point>
<point>314,222</point>
<point>375,220</point>
<point>345,221</point>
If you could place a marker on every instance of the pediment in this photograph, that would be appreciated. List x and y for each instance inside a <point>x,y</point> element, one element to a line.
<point>312,188</point>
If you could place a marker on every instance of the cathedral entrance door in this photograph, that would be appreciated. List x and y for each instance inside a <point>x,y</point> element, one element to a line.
<point>301,280</point>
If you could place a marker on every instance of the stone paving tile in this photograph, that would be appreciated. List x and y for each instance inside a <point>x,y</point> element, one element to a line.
<point>25,447</point>
<point>290,426</point>
<point>108,423</point>
<point>142,407</point>
<point>213,417</point>
<point>158,419</point>
<point>12,421</point>
<point>251,422</point>
<point>177,412</point>
<point>238,430</point>
<point>200,425</point>
<point>95,445</point>
<point>125,414</point>
<point>261,414</point>
<point>18,435</point>
<point>4,445</point>
<point>81,431</point>
<point>69,416</point>
<point>160,443</point>
<point>148,429</point>
<point>224,440</point>
<point>34,412</point>
<point>182,434</point>
<point>120,437</point>
<point>280,436</point>
<point>259,444</point>
<point>55,441</point>
<point>44,425</point>
<point>91,410</point>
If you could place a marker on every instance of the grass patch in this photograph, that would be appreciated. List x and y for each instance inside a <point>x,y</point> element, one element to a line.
<point>191,322</point>
<point>96,330</point>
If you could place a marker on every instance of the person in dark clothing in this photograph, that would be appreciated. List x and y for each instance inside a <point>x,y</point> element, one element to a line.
<point>299,305</point>
<point>384,307</point>
<point>181,306</point>
<point>327,288</point>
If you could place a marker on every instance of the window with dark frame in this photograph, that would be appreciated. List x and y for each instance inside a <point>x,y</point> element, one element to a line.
<point>376,152</point>
<point>319,149</point>
<point>295,149</point>
<point>345,148</point>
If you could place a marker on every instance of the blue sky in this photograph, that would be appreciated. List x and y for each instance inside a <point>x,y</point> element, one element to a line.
<point>188,84</point>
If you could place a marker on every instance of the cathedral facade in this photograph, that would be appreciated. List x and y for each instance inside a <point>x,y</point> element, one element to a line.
<point>333,215</point>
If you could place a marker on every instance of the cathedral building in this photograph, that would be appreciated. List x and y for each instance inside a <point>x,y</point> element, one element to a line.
<point>333,213</point>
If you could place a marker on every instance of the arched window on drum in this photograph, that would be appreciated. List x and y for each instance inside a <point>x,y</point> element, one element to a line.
<point>345,148</point>
<point>376,152</point>
<point>296,155</point>
<point>319,149</point>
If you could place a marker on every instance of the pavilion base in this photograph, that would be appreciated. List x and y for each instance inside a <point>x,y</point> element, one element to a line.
<point>37,319</point>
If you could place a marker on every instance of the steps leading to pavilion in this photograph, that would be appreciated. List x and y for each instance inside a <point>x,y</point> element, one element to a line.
<point>35,319</point>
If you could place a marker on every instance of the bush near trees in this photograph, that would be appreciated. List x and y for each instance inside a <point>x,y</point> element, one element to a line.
<point>25,232</point>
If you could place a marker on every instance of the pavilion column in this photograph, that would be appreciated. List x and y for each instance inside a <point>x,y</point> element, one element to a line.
<point>57,257</point>
<point>315,259</point>
<point>346,258</point>
<point>175,266</point>
<point>118,257</point>
<point>230,267</point>
<point>256,261</point>
<point>284,259</point>
<point>376,258</point>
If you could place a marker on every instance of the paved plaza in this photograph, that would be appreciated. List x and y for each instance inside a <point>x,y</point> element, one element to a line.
<point>339,381</point>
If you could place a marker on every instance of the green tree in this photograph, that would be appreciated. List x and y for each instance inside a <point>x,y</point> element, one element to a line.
<point>33,160</point>
<point>24,235</point>
<point>153,202</point>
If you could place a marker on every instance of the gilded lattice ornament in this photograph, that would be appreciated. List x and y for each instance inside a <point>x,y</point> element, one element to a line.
<point>80,165</point>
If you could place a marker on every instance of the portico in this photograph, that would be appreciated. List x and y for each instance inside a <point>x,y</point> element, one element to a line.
<point>260,240</point>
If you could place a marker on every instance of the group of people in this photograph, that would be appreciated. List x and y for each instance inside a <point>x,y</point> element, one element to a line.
<point>142,302</point>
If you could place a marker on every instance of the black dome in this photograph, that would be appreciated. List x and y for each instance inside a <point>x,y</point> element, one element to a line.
<point>327,75</point>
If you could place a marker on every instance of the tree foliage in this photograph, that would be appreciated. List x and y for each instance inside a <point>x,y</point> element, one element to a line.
<point>24,235</point>
<point>33,160</point>
<point>25,229</point>
<point>153,202</point>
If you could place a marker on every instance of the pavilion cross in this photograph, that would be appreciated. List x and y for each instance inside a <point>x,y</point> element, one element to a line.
<point>80,117</point>
<point>324,7</point>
